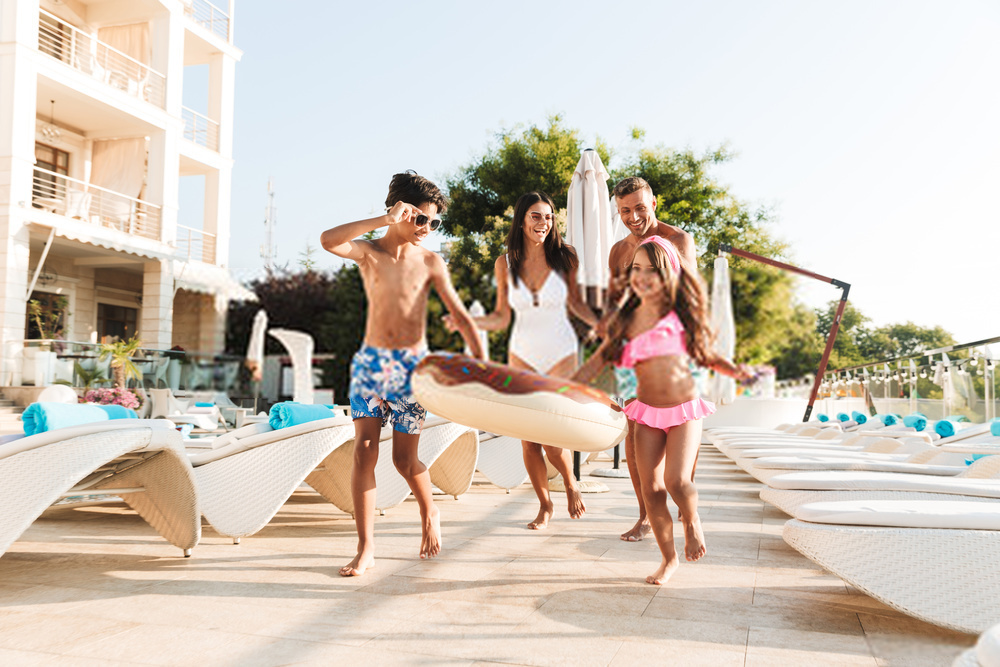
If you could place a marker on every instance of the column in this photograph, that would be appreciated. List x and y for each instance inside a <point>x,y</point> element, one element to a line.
<point>157,318</point>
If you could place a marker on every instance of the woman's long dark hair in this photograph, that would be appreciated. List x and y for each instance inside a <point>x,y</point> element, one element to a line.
<point>685,295</point>
<point>558,255</point>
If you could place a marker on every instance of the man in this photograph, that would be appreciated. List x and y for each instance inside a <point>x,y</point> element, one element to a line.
<point>637,209</point>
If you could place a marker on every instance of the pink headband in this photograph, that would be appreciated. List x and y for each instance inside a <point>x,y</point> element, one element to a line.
<point>672,257</point>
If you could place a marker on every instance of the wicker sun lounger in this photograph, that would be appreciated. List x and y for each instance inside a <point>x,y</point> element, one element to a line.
<point>141,461</point>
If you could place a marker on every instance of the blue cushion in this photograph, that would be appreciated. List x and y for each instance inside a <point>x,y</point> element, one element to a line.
<point>203,404</point>
<point>916,420</point>
<point>287,414</point>
<point>859,417</point>
<point>43,417</point>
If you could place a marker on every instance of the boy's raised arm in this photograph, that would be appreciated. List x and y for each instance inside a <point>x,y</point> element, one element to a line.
<point>342,239</point>
<point>459,315</point>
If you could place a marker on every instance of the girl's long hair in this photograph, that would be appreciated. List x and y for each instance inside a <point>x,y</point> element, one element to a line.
<point>559,256</point>
<point>685,294</point>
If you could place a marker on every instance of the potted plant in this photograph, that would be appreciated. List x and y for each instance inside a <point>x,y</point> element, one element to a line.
<point>123,368</point>
<point>114,396</point>
<point>48,318</point>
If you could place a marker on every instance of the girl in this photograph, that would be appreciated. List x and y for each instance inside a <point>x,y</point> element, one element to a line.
<point>536,279</point>
<point>664,319</point>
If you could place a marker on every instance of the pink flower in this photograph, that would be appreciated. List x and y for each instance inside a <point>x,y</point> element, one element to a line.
<point>114,396</point>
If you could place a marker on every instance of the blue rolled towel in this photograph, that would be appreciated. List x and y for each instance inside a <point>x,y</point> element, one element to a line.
<point>890,419</point>
<point>995,427</point>
<point>44,417</point>
<point>203,404</point>
<point>947,427</point>
<point>916,420</point>
<point>822,417</point>
<point>859,417</point>
<point>843,417</point>
<point>975,457</point>
<point>287,414</point>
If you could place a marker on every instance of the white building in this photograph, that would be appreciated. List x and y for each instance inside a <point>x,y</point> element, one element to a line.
<point>96,137</point>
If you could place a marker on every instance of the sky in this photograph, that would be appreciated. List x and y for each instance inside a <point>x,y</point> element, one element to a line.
<point>870,128</point>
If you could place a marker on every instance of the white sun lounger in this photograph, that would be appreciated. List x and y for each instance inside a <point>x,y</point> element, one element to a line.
<point>251,472</point>
<point>986,652</point>
<point>501,461</point>
<point>932,559</point>
<point>140,460</point>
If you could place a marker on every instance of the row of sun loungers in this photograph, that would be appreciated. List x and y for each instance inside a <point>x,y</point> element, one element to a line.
<point>238,484</point>
<point>912,520</point>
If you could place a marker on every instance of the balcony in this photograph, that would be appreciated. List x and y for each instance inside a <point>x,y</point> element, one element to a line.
<point>200,129</point>
<point>95,205</point>
<point>98,60</point>
<point>208,16</point>
<point>195,245</point>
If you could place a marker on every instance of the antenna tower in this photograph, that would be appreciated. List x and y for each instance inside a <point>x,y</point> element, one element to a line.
<point>268,249</point>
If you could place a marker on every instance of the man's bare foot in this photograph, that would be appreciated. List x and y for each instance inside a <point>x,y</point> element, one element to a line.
<point>663,572</point>
<point>694,540</point>
<point>430,542</point>
<point>541,522</point>
<point>640,530</point>
<point>358,566</point>
<point>575,502</point>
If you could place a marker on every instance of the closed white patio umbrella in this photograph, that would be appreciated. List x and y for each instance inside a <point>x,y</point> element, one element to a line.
<point>722,388</point>
<point>589,224</point>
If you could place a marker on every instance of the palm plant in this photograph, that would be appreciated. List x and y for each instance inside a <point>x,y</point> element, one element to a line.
<point>122,367</point>
<point>89,377</point>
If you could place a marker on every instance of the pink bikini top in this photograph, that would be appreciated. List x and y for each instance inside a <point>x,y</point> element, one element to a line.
<point>666,338</point>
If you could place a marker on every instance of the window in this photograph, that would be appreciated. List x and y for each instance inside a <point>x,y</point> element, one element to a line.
<point>116,321</point>
<point>46,184</point>
<point>50,311</point>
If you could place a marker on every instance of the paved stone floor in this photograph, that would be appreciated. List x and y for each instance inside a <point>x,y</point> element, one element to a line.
<point>96,586</point>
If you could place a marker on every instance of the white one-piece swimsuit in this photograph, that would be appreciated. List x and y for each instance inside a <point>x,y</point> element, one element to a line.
<point>542,334</point>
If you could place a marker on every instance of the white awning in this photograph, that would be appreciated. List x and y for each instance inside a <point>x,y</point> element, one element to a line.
<point>83,232</point>
<point>210,279</point>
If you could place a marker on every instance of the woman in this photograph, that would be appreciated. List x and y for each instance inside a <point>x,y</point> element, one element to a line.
<point>536,279</point>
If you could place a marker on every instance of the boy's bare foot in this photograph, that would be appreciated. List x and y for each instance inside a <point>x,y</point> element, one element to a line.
<point>358,566</point>
<point>640,530</point>
<point>575,502</point>
<point>694,540</point>
<point>430,542</point>
<point>541,522</point>
<point>663,572</point>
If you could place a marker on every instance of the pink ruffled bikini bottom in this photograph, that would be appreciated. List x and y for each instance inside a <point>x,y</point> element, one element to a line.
<point>664,418</point>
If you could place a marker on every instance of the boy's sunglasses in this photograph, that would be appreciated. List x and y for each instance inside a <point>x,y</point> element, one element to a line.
<point>423,220</point>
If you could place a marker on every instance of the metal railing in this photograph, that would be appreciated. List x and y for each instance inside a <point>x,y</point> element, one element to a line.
<point>200,129</point>
<point>93,204</point>
<point>85,53</point>
<point>208,16</point>
<point>195,244</point>
<point>954,380</point>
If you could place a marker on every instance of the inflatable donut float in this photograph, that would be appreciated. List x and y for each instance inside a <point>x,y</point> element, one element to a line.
<point>520,404</point>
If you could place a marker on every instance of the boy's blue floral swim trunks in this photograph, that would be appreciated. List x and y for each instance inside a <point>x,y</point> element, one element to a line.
<point>380,387</point>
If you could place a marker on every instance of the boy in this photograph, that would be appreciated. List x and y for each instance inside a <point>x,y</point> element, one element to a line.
<point>397,274</point>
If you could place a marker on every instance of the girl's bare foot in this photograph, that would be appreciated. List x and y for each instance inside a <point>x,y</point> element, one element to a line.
<point>575,502</point>
<point>357,567</point>
<point>663,572</point>
<point>694,540</point>
<point>430,542</point>
<point>541,521</point>
<point>640,530</point>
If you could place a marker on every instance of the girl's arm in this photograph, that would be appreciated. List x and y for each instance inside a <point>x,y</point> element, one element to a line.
<point>577,305</point>
<point>593,366</point>
<point>457,313</point>
<point>726,367</point>
<point>500,317</point>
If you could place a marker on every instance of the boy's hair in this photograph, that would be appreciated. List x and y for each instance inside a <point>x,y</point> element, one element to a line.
<point>559,256</point>
<point>627,186</point>
<point>412,188</point>
<point>685,295</point>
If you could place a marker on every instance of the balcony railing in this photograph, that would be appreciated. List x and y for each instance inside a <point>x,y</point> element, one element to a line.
<point>93,57</point>
<point>93,204</point>
<point>208,16</point>
<point>200,129</point>
<point>195,244</point>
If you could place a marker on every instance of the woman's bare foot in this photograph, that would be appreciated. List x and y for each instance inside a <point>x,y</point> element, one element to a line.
<point>694,540</point>
<point>430,542</point>
<point>357,567</point>
<point>541,522</point>
<point>640,530</point>
<point>663,572</point>
<point>574,502</point>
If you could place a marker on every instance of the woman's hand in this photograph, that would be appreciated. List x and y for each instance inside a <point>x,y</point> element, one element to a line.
<point>744,373</point>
